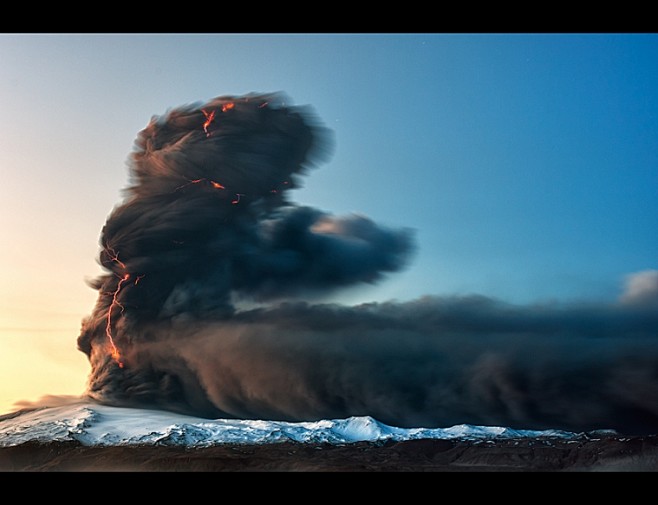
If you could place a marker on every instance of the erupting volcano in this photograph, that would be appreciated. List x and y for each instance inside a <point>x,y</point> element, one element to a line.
<point>206,229</point>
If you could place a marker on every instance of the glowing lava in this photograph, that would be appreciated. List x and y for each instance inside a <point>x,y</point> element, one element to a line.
<point>209,119</point>
<point>212,183</point>
<point>114,351</point>
<point>210,116</point>
<point>114,256</point>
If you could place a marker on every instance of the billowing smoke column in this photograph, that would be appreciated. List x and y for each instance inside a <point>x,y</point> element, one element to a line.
<point>206,228</point>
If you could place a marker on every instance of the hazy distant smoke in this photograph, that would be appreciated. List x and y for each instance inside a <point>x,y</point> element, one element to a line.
<point>206,224</point>
<point>641,289</point>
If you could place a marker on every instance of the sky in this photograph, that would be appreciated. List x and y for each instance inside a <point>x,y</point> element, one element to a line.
<point>526,164</point>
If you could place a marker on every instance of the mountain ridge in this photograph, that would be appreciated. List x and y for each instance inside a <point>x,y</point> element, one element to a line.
<point>93,424</point>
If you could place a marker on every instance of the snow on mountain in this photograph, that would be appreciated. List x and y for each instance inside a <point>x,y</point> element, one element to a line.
<point>92,424</point>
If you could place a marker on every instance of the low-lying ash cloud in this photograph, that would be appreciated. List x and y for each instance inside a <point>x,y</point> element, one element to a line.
<point>206,229</point>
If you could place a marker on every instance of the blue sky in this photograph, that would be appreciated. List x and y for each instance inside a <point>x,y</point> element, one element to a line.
<point>527,164</point>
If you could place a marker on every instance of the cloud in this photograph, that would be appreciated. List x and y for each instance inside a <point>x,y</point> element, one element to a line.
<point>641,289</point>
<point>207,221</point>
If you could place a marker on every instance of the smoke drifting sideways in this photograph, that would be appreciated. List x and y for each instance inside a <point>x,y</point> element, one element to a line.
<point>206,225</point>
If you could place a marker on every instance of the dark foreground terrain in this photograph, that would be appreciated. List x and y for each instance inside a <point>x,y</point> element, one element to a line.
<point>608,453</point>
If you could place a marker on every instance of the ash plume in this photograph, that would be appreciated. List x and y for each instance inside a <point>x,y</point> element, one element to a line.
<point>206,227</point>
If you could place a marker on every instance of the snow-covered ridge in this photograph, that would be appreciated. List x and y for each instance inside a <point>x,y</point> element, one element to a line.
<point>99,425</point>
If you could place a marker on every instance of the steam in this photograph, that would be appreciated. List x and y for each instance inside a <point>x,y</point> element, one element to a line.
<point>641,289</point>
<point>206,227</point>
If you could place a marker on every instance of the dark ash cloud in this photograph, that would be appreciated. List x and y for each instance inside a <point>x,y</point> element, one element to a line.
<point>206,222</point>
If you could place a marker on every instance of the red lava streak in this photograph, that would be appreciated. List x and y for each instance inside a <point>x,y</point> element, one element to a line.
<point>209,119</point>
<point>114,256</point>
<point>210,116</point>
<point>114,351</point>
<point>212,183</point>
